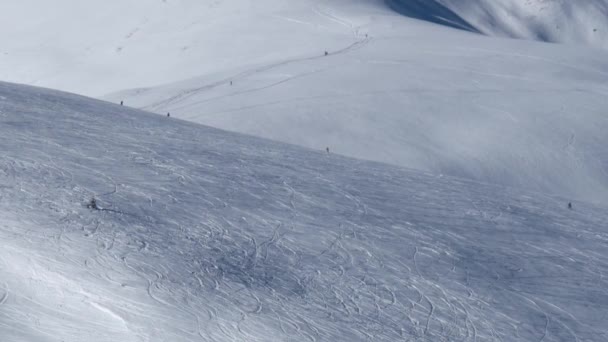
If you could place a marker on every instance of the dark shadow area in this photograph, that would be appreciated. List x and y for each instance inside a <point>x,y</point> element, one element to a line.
<point>430,10</point>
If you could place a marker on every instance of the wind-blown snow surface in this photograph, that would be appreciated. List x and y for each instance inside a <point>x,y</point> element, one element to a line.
<point>214,236</point>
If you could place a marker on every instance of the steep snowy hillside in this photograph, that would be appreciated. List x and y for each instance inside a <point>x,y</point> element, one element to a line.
<point>583,22</point>
<point>206,235</point>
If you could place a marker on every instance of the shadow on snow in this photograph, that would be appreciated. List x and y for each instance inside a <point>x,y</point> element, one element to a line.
<point>430,10</point>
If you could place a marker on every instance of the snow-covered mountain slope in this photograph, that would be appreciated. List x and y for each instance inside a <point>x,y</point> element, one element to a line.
<point>392,89</point>
<point>561,21</point>
<point>508,112</point>
<point>207,235</point>
<point>97,47</point>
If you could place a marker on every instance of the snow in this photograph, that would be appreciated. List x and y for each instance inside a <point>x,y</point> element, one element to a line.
<point>452,223</point>
<point>580,22</point>
<point>392,89</point>
<point>97,47</point>
<point>445,101</point>
<point>216,236</point>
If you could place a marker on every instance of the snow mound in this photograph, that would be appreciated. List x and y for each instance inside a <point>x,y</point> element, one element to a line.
<point>214,236</point>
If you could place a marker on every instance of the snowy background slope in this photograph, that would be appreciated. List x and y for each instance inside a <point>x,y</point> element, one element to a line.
<point>215,236</point>
<point>509,112</point>
<point>97,47</point>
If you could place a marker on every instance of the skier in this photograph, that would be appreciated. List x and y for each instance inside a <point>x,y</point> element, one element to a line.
<point>121,103</point>
<point>569,205</point>
<point>93,204</point>
<point>230,82</point>
<point>327,149</point>
<point>326,53</point>
<point>168,114</point>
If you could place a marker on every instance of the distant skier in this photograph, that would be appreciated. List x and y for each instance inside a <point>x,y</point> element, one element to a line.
<point>327,149</point>
<point>168,114</point>
<point>121,103</point>
<point>93,204</point>
<point>569,205</point>
<point>230,82</point>
<point>326,53</point>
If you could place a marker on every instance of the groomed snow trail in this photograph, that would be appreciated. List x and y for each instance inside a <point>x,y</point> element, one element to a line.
<point>214,236</point>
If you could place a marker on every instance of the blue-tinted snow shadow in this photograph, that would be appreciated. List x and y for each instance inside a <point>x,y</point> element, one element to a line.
<point>432,11</point>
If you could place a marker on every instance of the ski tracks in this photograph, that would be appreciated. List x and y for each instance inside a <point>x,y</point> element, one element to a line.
<point>543,312</point>
<point>4,296</point>
<point>359,42</point>
<point>326,13</point>
<point>292,196</point>
<point>175,99</point>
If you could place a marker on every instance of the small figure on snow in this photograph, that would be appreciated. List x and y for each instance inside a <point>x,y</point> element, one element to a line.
<point>93,204</point>
<point>230,82</point>
<point>326,53</point>
<point>569,205</point>
<point>168,114</point>
<point>327,149</point>
<point>122,102</point>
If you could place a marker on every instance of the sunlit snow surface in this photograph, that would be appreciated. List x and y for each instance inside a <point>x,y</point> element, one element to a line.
<point>213,236</point>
